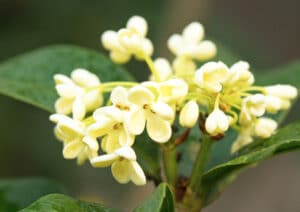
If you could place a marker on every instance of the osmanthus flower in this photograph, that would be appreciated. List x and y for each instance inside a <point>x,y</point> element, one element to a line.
<point>72,133</point>
<point>190,43</point>
<point>280,96</point>
<point>223,95</point>
<point>128,41</point>
<point>154,114</point>
<point>78,94</point>
<point>109,124</point>
<point>211,76</point>
<point>123,164</point>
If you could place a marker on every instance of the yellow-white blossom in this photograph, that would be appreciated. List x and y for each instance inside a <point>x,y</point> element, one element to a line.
<point>252,106</point>
<point>163,68</point>
<point>184,67</point>
<point>211,76</point>
<point>244,138</point>
<point>173,91</point>
<point>72,133</point>
<point>239,76</point>
<point>78,94</point>
<point>283,93</point>
<point>265,127</point>
<point>123,165</point>
<point>190,43</point>
<point>217,122</point>
<point>128,41</point>
<point>109,124</point>
<point>189,114</point>
<point>155,115</point>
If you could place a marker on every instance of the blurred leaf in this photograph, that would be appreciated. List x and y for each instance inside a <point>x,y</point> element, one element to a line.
<point>161,200</point>
<point>63,203</point>
<point>147,154</point>
<point>18,193</point>
<point>29,77</point>
<point>287,74</point>
<point>215,179</point>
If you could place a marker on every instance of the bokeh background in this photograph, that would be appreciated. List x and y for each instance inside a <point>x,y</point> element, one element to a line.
<point>265,33</point>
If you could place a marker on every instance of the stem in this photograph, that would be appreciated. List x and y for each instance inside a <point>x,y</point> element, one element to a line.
<point>170,165</point>
<point>152,68</point>
<point>200,163</point>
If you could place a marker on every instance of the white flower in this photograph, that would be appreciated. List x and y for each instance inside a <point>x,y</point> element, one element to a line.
<point>173,91</point>
<point>156,115</point>
<point>123,165</point>
<point>217,122</point>
<point>128,41</point>
<point>211,76</point>
<point>190,44</point>
<point>109,124</point>
<point>244,138</point>
<point>252,106</point>
<point>163,69</point>
<point>284,93</point>
<point>78,94</point>
<point>72,133</point>
<point>239,76</point>
<point>189,114</point>
<point>265,127</point>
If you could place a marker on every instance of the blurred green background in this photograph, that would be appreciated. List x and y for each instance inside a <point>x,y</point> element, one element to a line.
<point>265,33</point>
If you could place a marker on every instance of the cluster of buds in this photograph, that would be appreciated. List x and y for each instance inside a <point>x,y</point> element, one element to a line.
<point>104,132</point>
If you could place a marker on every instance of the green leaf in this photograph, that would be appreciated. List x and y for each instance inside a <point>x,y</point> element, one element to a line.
<point>148,156</point>
<point>29,77</point>
<point>63,203</point>
<point>161,200</point>
<point>287,74</point>
<point>15,194</point>
<point>215,179</point>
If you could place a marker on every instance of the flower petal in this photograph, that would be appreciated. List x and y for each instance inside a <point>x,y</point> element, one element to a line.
<point>121,171</point>
<point>119,96</point>
<point>78,109</point>
<point>137,174</point>
<point>72,149</point>
<point>163,110</point>
<point>64,105</point>
<point>126,152</point>
<point>140,95</point>
<point>85,78</point>
<point>135,121</point>
<point>104,160</point>
<point>91,142</point>
<point>158,129</point>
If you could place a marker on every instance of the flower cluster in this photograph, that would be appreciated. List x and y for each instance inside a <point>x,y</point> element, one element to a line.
<point>223,96</point>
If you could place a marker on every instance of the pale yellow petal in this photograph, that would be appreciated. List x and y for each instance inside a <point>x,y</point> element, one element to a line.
<point>63,105</point>
<point>140,95</point>
<point>163,110</point>
<point>158,129</point>
<point>85,78</point>
<point>91,142</point>
<point>137,175</point>
<point>121,171</point>
<point>78,109</point>
<point>72,149</point>
<point>126,152</point>
<point>135,121</point>
<point>104,160</point>
<point>119,96</point>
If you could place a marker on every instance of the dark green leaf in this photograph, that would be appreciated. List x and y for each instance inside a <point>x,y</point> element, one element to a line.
<point>63,203</point>
<point>215,179</point>
<point>29,77</point>
<point>18,193</point>
<point>161,200</point>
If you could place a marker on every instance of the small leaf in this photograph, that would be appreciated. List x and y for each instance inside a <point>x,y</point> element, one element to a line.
<point>17,193</point>
<point>63,203</point>
<point>29,77</point>
<point>215,179</point>
<point>161,200</point>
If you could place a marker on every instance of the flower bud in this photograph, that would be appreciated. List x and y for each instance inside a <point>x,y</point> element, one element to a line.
<point>189,114</point>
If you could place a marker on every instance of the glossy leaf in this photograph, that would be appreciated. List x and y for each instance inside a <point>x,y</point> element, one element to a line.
<point>15,194</point>
<point>161,200</point>
<point>215,179</point>
<point>63,203</point>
